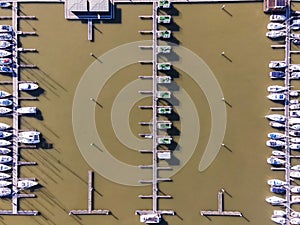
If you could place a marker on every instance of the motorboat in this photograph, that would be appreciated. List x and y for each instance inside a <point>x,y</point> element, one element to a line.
<point>274,200</point>
<point>293,121</point>
<point>29,137</point>
<point>277,18</point>
<point>275,34</point>
<point>276,124</point>
<point>295,26</point>
<point>164,140</point>
<point>164,110</point>
<point>4,94</point>
<point>4,176</point>
<point>296,167</point>
<point>4,126</point>
<point>295,113</point>
<point>277,65</point>
<point>294,101</point>
<point>295,214</point>
<point>6,28</point>
<point>5,102</point>
<point>4,44</point>
<point>276,117</point>
<point>276,182</point>
<point>164,33</point>
<point>295,174</point>
<point>5,37</point>
<point>5,61</point>
<point>4,183</point>
<point>276,135</point>
<point>4,142</point>
<point>296,22</point>
<point>295,35</point>
<point>5,69</point>
<point>278,190</point>
<point>278,213</point>
<point>5,158</point>
<point>295,76</point>
<point>294,133</point>
<point>295,220</point>
<point>295,189</point>
<point>295,146</point>
<point>4,53</point>
<point>26,110</point>
<point>274,161</point>
<point>4,167</point>
<point>150,218</point>
<point>295,67</point>
<point>275,143</point>
<point>5,191</point>
<point>28,86</point>
<point>277,75</point>
<point>24,184</point>
<point>4,151</point>
<point>275,26</point>
<point>296,127</point>
<point>164,19</point>
<point>4,134</point>
<point>279,220</point>
<point>164,79</point>
<point>276,97</point>
<point>278,153</point>
<point>295,199</point>
<point>294,93</point>
<point>4,110</point>
<point>295,140</point>
<point>295,106</point>
<point>164,66</point>
<point>276,88</point>
<point>5,4</point>
<point>296,41</point>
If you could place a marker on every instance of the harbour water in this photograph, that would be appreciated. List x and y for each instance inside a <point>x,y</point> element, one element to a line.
<point>240,167</point>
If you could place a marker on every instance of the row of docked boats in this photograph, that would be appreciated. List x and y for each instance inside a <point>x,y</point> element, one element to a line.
<point>6,38</point>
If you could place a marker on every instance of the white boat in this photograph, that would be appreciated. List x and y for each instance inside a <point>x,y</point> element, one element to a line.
<point>278,153</point>
<point>295,67</point>
<point>295,189</point>
<point>293,121</point>
<point>23,184</point>
<point>276,182</point>
<point>5,191</point>
<point>296,167</point>
<point>275,34</point>
<point>4,134</point>
<point>4,126</point>
<point>295,140</point>
<point>294,101</point>
<point>276,124</point>
<point>295,221</point>
<point>295,35</point>
<point>4,110</point>
<point>277,65</point>
<point>4,176</point>
<point>4,44</point>
<point>276,117</point>
<point>276,88</point>
<point>277,18</point>
<point>295,214</point>
<point>28,86</point>
<point>296,22</point>
<point>164,33</point>
<point>294,133</point>
<point>4,53</point>
<point>26,110</point>
<point>275,143</point>
<point>5,102</point>
<point>5,28</point>
<point>4,151</point>
<point>295,106</point>
<point>29,137</point>
<point>294,93</point>
<point>295,75</point>
<point>274,200</point>
<point>275,26</point>
<point>150,218</point>
<point>274,161</point>
<point>5,158</point>
<point>4,167</point>
<point>296,127</point>
<point>5,61</point>
<point>4,94</point>
<point>295,146</point>
<point>5,69</point>
<point>278,213</point>
<point>295,174</point>
<point>276,97</point>
<point>296,199</point>
<point>276,135</point>
<point>279,220</point>
<point>5,37</point>
<point>4,142</point>
<point>4,183</point>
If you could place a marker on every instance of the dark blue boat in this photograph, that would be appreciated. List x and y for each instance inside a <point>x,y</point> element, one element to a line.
<point>278,190</point>
<point>277,74</point>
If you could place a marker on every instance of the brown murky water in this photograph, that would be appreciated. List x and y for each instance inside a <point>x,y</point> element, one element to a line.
<point>64,55</point>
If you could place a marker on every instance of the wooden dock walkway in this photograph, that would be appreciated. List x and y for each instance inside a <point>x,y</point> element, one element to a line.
<point>220,211</point>
<point>90,29</point>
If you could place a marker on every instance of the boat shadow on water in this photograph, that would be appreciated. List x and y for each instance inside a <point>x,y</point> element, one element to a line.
<point>171,26</point>
<point>44,144</point>
<point>171,57</point>
<point>36,93</point>
<point>172,11</point>
<point>172,73</point>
